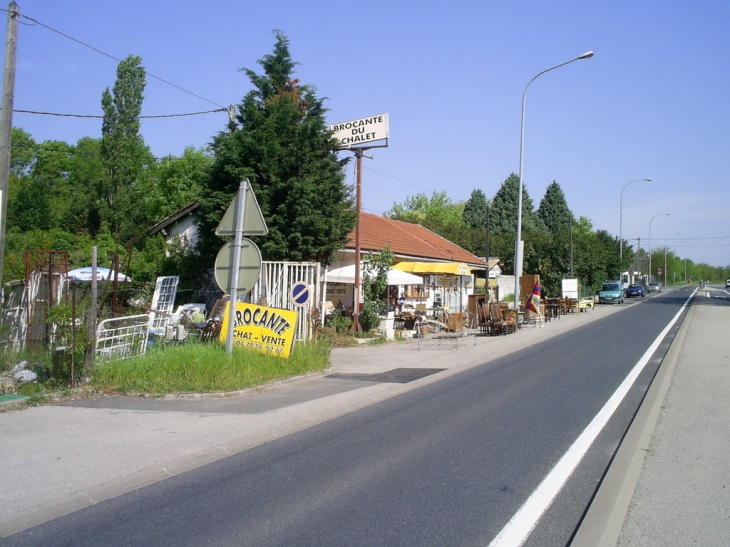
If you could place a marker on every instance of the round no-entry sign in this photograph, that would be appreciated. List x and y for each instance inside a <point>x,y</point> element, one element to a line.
<point>301,293</point>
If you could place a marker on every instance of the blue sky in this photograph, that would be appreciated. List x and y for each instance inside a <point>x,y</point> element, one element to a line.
<point>652,102</point>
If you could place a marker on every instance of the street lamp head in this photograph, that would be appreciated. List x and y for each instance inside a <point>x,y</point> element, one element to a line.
<point>586,55</point>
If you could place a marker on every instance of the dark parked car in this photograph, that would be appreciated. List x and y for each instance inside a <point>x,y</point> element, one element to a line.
<point>635,289</point>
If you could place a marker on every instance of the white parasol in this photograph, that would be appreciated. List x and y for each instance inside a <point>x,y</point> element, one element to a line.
<point>102,274</point>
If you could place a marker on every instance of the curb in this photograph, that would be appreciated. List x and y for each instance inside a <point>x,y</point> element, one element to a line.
<point>604,519</point>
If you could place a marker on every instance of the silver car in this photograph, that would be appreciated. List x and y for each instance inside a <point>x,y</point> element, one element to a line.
<point>655,287</point>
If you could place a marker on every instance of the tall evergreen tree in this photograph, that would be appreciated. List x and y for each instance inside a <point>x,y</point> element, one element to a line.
<point>281,143</point>
<point>553,210</point>
<point>503,213</point>
<point>475,209</point>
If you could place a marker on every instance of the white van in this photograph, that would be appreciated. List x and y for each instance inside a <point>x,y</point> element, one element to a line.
<point>727,284</point>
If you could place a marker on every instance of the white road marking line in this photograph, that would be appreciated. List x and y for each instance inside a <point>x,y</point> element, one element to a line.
<point>523,522</point>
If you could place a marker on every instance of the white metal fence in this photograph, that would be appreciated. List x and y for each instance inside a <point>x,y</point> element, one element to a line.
<point>274,289</point>
<point>122,337</point>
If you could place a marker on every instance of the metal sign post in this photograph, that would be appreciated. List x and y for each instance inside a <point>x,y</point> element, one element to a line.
<point>235,221</point>
<point>239,207</point>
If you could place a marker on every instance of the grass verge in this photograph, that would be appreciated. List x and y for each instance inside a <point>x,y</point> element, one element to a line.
<point>206,368</point>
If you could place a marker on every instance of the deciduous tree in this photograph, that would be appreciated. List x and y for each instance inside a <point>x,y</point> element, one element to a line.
<point>124,153</point>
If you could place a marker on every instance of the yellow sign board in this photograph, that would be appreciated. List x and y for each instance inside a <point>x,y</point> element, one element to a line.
<point>262,329</point>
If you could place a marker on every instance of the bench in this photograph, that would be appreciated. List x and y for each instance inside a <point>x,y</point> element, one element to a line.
<point>585,303</point>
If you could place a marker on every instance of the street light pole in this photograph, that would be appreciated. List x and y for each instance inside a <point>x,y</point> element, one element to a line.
<point>518,247</point>
<point>652,220</point>
<point>621,217</point>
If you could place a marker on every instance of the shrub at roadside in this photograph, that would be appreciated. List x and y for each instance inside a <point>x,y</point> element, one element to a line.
<point>201,368</point>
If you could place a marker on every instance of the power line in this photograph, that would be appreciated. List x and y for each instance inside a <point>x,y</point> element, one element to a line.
<point>36,22</point>
<point>102,116</point>
<point>399,180</point>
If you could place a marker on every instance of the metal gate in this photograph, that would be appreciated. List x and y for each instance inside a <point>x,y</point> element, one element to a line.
<point>274,289</point>
<point>122,337</point>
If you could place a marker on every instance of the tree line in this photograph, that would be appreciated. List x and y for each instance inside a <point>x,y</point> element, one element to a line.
<point>108,191</point>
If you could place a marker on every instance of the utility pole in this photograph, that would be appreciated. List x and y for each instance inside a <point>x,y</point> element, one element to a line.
<point>356,327</point>
<point>6,122</point>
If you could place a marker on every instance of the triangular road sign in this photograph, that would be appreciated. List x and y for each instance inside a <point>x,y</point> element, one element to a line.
<point>253,221</point>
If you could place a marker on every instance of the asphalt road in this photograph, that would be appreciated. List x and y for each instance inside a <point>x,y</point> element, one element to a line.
<point>447,464</point>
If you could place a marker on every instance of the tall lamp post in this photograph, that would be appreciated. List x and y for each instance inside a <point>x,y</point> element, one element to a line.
<point>652,220</point>
<point>621,217</point>
<point>518,247</point>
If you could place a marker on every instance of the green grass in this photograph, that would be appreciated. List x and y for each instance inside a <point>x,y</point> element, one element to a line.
<point>205,368</point>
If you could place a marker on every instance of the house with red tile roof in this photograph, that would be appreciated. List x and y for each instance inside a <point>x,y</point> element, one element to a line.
<point>412,243</point>
<point>408,242</point>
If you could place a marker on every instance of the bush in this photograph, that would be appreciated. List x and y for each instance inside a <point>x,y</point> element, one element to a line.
<point>340,323</point>
<point>369,317</point>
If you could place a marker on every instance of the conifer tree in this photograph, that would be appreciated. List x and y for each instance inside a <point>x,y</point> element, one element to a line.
<point>553,210</point>
<point>281,143</point>
<point>475,209</point>
<point>503,213</point>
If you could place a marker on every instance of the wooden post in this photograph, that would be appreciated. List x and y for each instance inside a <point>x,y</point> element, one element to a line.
<point>6,121</point>
<point>356,327</point>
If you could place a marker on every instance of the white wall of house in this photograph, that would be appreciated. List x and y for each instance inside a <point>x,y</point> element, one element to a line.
<point>506,284</point>
<point>183,228</point>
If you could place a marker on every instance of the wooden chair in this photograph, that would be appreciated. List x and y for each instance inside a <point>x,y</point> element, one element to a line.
<point>512,318</point>
<point>483,319</point>
<point>498,323</point>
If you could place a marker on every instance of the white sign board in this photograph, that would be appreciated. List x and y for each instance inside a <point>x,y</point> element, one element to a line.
<point>570,288</point>
<point>363,131</point>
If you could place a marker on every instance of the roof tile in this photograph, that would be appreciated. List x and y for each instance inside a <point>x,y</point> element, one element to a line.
<point>409,241</point>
